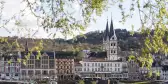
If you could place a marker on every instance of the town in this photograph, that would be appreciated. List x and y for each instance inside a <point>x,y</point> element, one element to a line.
<point>83,41</point>
<point>109,66</point>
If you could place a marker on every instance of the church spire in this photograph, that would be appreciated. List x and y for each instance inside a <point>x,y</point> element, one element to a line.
<point>26,47</point>
<point>111,28</point>
<point>106,33</point>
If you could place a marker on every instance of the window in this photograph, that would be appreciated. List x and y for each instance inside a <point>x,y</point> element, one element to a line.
<point>7,74</point>
<point>114,44</point>
<point>51,64</point>
<point>107,64</point>
<point>115,65</point>
<point>88,64</point>
<point>114,51</point>
<point>84,69</point>
<point>107,69</point>
<point>16,74</point>
<point>30,72</point>
<point>84,64</point>
<point>95,64</point>
<point>37,63</point>
<point>118,65</point>
<point>23,72</point>
<point>87,69</point>
<point>92,64</point>
<point>104,69</point>
<point>92,69</point>
<point>111,51</point>
<point>118,69</point>
<point>95,69</point>
<point>111,44</point>
<point>44,72</point>
<point>115,69</point>
<point>104,64</point>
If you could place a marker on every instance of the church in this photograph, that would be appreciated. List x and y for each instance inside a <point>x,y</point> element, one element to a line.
<point>107,64</point>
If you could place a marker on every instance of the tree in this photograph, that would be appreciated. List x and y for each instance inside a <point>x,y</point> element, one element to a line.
<point>80,55</point>
<point>93,82</point>
<point>81,82</point>
<point>54,14</point>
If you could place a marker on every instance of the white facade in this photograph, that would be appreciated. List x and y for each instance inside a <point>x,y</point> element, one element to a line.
<point>110,67</point>
<point>105,69</point>
<point>115,67</point>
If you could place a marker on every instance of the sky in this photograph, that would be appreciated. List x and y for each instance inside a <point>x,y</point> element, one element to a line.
<point>29,22</point>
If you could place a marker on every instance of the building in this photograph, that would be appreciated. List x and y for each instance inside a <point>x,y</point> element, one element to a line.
<point>78,68</point>
<point>107,64</point>
<point>39,68</point>
<point>64,63</point>
<point>9,66</point>
<point>133,66</point>
<point>133,69</point>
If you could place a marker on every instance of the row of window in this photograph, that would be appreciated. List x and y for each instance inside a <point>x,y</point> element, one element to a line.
<point>11,64</point>
<point>102,69</point>
<point>64,62</point>
<point>64,71</point>
<point>78,69</point>
<point>109,75</point>
<point>11,69</point>
<point>7,74</point>
<point>31,72</point>
<point>113,44</point>
<point>101,64</point>
<point>113,51</point>
<point>64,67</point>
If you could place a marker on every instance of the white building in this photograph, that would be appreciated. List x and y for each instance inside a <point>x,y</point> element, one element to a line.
<point>105,64</point>
<point>104,69</point>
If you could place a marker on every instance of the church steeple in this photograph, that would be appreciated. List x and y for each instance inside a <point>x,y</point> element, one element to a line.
<point>26,47</point>
<point>106,32</point>
<point>111,29</point>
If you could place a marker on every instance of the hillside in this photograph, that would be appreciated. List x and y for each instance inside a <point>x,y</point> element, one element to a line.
<point>92,41</point>
<point>126,41</point>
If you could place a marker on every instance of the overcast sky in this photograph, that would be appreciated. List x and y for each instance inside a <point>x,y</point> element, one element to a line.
<point>29,21</point>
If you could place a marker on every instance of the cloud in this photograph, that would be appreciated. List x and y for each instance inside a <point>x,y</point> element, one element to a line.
<point>28,23</point>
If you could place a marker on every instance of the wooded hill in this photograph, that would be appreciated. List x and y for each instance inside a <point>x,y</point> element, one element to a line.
<point>93,41</point>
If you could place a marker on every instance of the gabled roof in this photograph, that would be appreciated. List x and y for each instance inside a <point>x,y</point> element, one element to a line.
<point>34,53</point>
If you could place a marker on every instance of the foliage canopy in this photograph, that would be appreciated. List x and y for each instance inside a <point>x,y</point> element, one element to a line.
<point>153,14</point>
